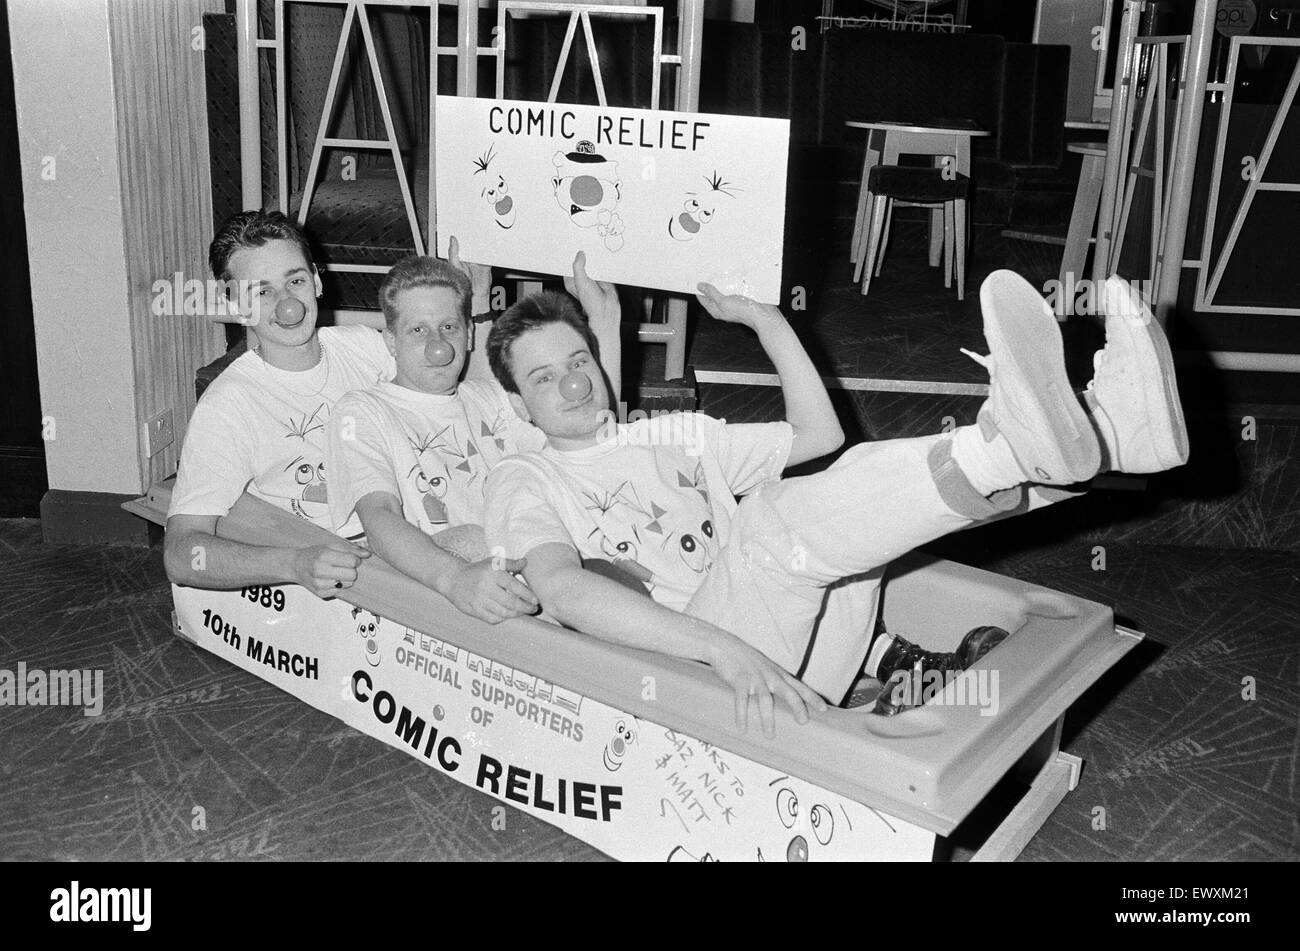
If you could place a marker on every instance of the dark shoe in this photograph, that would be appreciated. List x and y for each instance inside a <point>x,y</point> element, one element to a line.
<point>901,665</point>
<point>979,642</point>
<point>892,653</point>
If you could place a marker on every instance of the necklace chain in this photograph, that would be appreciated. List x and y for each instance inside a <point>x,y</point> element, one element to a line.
<point>323,365</point>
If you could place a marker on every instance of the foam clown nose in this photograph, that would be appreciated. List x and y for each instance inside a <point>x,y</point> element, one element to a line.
<point>575,386</point>
<point>290,311</point>
<point>439,353</point>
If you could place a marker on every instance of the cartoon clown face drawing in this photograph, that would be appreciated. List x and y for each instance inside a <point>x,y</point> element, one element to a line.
<point>622,553</point>
<point>699,208</point>
<point>310,479</point>
<point>693,535</point>
<point>433,488</point>
<point>694,548</point>
<point>680,854</point>
<point>494,190</point>
<point>820,818</point>
<point>587,189</point>
<point>367,626</point>
<point>624,737</point>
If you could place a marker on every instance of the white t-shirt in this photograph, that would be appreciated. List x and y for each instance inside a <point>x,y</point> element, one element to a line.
<point>264,429</point>
<point>656,499</point>
<point>431,452</point>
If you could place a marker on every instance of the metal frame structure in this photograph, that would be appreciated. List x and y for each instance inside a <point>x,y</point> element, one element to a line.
<point>355,10</point>
<point>1210,269</point>
<point>1174,184</point>
<point>250,42</point>
<point>583,16</point>
<point>672,330</point>
<point>905,15</point>
<point>1149,84</point>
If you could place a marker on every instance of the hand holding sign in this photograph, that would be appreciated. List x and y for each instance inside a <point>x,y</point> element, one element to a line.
<point>599,299</point>
<point>651,197</point>
<point>736,309</point>
<point>480,275</point>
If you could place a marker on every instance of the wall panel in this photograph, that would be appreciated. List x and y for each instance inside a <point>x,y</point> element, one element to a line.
<point>157,58</point>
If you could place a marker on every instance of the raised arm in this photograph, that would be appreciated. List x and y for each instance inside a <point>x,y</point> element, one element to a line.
<point>606,609</point>
<point>599,300</point>
<point>480,279</point>
<point>807,405</point>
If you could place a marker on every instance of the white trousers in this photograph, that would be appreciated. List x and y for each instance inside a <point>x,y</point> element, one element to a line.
<point>799,577</point>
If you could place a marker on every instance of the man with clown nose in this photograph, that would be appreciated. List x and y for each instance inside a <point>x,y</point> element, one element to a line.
<point>410,457</point>
<point>262,425</point>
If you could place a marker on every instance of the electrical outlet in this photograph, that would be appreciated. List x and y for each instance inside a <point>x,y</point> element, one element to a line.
<point>159,433</point>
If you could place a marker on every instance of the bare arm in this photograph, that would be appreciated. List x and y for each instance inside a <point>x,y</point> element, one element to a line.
<point>480,280</point>
<point>479,369</point>
<point>482,589</point>
<point>603,608</point>
<point>194,555</point>
<point>807,405</point>
<point>599,300</point>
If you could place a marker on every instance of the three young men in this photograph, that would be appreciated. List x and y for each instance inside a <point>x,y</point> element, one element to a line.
<point>778,593</point>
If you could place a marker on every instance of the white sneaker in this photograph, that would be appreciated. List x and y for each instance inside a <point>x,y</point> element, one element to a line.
<point>1133,396</point>
<point>1031,401</point>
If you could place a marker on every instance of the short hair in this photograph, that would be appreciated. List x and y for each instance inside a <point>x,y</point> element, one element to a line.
<point>252,229</point>
<point>532,313</point>
<point>419,270</point>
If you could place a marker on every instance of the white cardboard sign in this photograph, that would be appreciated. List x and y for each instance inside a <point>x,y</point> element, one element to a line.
<point>656,199</point>
<point>630,787</point>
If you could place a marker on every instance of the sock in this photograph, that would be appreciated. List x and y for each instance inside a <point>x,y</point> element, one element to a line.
<point>988,464</point>
<point>877,653</point>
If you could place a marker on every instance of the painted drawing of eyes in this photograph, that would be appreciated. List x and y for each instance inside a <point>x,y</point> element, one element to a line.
<point>823,823</point>
<point>618,549</point>
<point>787,807</point>
<point>692,551</point>
<point>437,486</point>
<point>699,208</point>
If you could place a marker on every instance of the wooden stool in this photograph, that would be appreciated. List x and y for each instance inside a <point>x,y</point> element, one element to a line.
<point>916,186</point>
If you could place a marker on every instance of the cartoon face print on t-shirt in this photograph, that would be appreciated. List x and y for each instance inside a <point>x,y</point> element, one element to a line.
<point>303,426</point>
<point>458,452</point>
<point>495,432</point>
<point>432,482</point>
<point>619,540</point>
<point>696,544</point>
<point>304,477</point>
<point>634,531</point>
<point>311,498</point>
